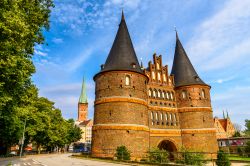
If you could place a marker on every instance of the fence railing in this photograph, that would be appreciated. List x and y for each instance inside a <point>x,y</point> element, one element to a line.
<point>185,158</point>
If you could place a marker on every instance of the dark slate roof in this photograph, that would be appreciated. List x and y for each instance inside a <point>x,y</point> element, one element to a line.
<point>183,70</point>
<point>122,54</point>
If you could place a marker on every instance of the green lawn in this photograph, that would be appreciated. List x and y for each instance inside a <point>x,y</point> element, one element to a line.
<point>239,158</point>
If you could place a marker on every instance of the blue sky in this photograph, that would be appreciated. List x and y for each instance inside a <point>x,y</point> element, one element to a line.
<point>215,34</point>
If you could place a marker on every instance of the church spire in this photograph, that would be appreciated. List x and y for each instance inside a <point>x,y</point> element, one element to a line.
<point>183,70</point>
<point>83,96</point>
<point>122,55</point>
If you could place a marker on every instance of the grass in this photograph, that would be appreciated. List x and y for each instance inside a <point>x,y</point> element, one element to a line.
<point>239,158</point>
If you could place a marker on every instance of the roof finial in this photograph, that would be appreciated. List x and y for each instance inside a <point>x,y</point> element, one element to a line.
<point>142,64</point>
<point>176,33</point>
<point>123,18</point>
<point>223,115</point>
<point>227,116</point>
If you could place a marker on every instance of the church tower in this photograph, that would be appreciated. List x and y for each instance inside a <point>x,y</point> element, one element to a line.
<point>193,104</point>
<point>120,107</point>
<point>83,104</point>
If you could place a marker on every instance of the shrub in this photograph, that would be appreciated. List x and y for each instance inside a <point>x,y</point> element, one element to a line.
<point>240,151</point>
<point>222,159</point>
<point>247,149</point>
<point>122,153</point>
<point>158,156</point>
<point>190,158</point>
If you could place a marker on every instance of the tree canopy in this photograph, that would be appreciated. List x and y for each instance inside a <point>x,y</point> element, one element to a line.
<point>21,28</point>
<point>247,125</point>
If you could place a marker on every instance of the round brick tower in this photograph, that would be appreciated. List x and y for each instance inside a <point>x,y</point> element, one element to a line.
<point>121,113</point>
<point>194,104</point>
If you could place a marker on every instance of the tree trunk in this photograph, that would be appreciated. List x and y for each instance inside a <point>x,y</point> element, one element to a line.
<point>38,148</point>
<point>8,149</point>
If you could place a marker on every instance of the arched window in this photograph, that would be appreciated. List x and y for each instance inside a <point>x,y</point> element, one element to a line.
<point>127,80</point>
<point>159,93</point>
<point>166,118</point>
<point>167,95</point>
<point>149,93</point>
<point>203,94</point>
<point>159,76</point>
<point>174,119</point>
<point>161,116</point>
<point>154,93</point>
<point>153,75</point>
<point>170,82</point>
<point>184,94</point>
<point>171,96</point>
<point>163,94</point>
<point>164,78</point>
<point>157,66</point>
<point>156,116</point>
<point>152,118</point>
<point>170,117</point>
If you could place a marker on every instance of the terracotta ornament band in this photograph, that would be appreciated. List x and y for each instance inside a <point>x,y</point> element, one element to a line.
<point>121,99</point>
<point>195,109</point>
<point>120,127</point>
<point>166,109</point>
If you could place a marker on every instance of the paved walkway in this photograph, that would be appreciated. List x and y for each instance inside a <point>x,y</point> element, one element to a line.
<point>232,164</point>
<point>54,160</point>
<point>66,160</point>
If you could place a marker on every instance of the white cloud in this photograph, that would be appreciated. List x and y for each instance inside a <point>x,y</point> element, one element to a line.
<point>223,80</point>
<point>224,38</point>
<point>40,53</point>
<point>79,60</point>
<point>57,40</point>
<point>77,15</point>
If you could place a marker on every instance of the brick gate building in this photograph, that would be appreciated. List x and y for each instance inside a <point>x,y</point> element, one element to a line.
<point>143,108</point>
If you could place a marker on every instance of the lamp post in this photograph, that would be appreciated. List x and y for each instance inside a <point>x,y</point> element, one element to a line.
<point>24,126</point>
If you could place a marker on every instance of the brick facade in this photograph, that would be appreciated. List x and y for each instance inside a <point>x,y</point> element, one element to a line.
<point>82,112</point>
<point>144,108</point>
<point>149,111</point>
<point>121,113</point>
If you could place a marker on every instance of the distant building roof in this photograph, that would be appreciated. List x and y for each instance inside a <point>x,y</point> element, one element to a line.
<point>85,123</point>
<point>223,123</point>
<point>224,128</point>
<point>183,70</point>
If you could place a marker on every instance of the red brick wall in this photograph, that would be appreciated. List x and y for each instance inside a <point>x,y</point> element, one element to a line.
<point>121,114</point>
<point>82,111</point>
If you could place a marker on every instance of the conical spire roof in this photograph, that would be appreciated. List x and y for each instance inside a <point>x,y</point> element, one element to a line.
<point>183,70</point>
<point>83,96</point>
<point>122,55</point>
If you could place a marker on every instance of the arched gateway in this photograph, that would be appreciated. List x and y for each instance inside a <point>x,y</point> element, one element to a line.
<point>169,146</point>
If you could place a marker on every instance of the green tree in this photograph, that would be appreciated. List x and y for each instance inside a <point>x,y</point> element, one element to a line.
<point>237,134</point>
<point>74,132</point>
<point>46,126</point>
<point>39,122</point>
<point>247,125</point>
<point>222,159</point>
<point>21,26</point>
<point>122,153</point>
